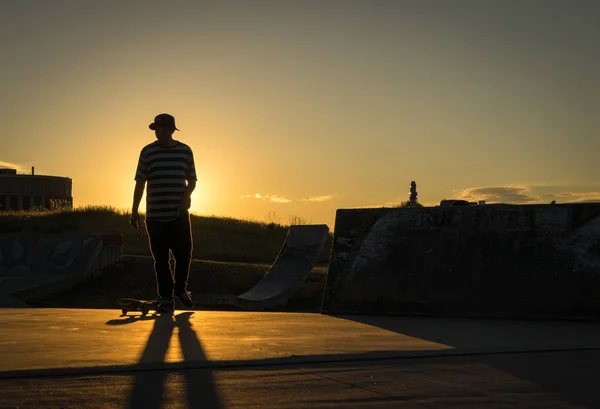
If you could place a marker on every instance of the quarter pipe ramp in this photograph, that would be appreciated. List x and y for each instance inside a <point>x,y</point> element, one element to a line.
<point>294,263</point>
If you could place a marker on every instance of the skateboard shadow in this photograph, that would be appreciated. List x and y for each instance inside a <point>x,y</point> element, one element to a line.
<point>135,318</point>
<point>138,317</point>
<point>149,385</point>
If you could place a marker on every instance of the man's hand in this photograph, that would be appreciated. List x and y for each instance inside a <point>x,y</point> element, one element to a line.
<point>135,220</point>
<point>186,202</point>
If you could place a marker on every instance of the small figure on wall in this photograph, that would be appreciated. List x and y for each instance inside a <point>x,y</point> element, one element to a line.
<point>413,194</point>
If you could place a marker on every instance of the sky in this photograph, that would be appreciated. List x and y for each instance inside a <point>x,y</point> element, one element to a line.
<point>294,109</point>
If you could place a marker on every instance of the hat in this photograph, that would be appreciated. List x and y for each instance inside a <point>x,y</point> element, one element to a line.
<point>164,120</point>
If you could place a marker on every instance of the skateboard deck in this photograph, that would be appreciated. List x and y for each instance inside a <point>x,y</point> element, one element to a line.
<point>133,304</point>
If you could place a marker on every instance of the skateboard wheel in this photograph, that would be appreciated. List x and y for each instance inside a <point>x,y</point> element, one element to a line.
<point>124,311</point>
<point>145,310</point>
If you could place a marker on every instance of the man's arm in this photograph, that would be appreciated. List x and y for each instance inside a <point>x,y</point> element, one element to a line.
<point>190,177</point>
<point>137,195</point>
<point>141,175</point>
<point>138,192</point>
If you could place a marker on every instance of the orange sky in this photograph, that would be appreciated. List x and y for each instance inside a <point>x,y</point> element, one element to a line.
<point>300,108</point>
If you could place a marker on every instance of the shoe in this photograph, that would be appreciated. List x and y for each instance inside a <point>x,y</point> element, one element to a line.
<point>164,304</point>
<point>185,300</point>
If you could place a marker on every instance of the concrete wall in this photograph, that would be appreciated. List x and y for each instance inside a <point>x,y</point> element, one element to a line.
<point>503,261</point>
<point>38,265</point>
<point>112,253</point>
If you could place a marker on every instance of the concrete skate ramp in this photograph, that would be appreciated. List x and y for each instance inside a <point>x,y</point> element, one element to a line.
<point>296,259</point>
<point>513,261</point>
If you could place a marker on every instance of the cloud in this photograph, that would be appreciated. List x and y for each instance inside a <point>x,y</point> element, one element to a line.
<point>500,194</point>
<point>280,199</point>
<point>19,168</point>
<point>318,198</point>
<point>527,194</point>
<point>573,197</point>
<point>272,198</point>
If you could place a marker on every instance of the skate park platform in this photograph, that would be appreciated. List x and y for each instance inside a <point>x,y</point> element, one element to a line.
<point>444,264</point>
<point>211,359</point>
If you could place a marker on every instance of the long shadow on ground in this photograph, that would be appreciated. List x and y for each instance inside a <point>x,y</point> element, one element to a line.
<point>148,386</point>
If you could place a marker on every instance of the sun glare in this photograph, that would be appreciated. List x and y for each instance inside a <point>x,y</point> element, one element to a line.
<point>200,197</point>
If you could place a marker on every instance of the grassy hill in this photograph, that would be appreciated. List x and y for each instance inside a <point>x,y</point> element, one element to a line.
<point>215,238</point>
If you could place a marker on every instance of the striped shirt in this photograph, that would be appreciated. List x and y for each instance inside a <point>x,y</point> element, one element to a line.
<point>166,169</point>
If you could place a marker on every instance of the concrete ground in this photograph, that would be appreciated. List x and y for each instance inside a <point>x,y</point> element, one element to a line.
<point>73,358</point>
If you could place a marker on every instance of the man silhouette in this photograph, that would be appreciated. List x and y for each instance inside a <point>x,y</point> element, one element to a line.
<point>167,165</point>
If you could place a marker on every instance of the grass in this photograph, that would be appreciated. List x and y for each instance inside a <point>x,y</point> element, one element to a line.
<point>134,277</point>
<point>215,238</point>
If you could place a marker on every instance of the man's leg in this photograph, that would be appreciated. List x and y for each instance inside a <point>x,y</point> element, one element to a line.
<point>159,246</point>
<point>182,252</point>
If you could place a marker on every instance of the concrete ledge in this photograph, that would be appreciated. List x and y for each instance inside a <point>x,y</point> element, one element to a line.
<point>537,261</point>
<point>11,302</point>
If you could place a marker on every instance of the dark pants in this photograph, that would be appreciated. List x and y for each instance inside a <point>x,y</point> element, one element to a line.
<point>174,237</point>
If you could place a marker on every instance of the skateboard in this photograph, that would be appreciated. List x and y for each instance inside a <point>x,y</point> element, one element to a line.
<point>133,304</point>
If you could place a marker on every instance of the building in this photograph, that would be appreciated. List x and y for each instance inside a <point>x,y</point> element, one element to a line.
<point>25,192</point>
